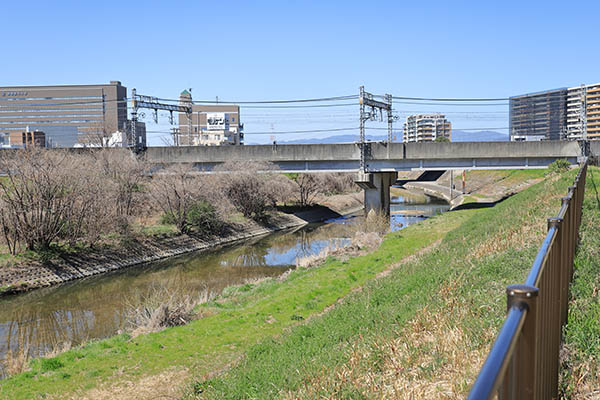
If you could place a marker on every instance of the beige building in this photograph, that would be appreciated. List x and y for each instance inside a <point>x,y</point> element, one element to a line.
<point>208,125</point>
<point>64,112</point>
<point>27,138</point>
<point>583,112</point>
<point>426,128</point>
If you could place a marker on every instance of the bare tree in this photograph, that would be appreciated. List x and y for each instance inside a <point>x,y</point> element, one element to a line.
<point>308,186</point>
<point>281,188</point>
<point>175,190</point>
<point>246,186</point>
<point>125,175</point>
<point>48,196</point>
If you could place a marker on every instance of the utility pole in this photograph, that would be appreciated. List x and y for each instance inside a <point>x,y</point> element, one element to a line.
<point>583,112</point>
<point>366,100</point>
<point>134,119</point>
<point>390,117</point>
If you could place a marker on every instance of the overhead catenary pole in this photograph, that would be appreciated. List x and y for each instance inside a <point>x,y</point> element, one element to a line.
<point>152,103</point>
<point>134,117</point>
<point>366,100</point>
<point>362,130</point>
<point>390,117</point>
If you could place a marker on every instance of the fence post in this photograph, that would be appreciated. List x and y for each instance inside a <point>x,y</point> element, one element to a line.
<point>565,233</point>
<point>520,380</point>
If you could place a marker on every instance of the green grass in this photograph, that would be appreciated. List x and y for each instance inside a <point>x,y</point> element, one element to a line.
<point>270,323</point>
<point>232,325</point>
<point>317,350</point>
<point>160,230</point>
<point>581,370</point>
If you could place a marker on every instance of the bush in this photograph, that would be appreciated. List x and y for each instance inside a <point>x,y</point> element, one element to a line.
<point>558,166</point>
<point>49,196</point>
<point>204,219</point>
<point>247,186</point>
<point>201,217</point>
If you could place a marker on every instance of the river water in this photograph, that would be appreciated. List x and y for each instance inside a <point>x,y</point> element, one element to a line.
<point>99,306</point>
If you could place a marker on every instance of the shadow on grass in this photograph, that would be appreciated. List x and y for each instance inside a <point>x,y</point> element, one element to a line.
<point>594,187</point>
<point>473,206</point>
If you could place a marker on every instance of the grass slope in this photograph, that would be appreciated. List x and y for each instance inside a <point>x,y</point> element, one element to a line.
<point>229,327</point>
<point>580,376</point>
<point>421,332</point>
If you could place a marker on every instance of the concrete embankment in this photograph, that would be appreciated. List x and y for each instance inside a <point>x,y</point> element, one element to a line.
<point>438,191</point>
<point>34,274</point>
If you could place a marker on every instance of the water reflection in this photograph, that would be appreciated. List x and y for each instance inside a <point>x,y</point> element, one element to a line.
<point>405,211</point>
<point>96,307</point>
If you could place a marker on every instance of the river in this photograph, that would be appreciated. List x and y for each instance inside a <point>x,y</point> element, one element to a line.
<point>99,306</point>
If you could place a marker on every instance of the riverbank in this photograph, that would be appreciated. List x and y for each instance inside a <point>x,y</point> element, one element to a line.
<point>33,274</point>
<point>481,186</point>
<point>295,338</point>
<point>420,331</point>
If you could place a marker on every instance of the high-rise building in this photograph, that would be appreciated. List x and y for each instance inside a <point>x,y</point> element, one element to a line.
<point>63,111</point>
<point>426,128</point>
<point>539,116</point>
<point>583,112</point>
<point>208,125</point>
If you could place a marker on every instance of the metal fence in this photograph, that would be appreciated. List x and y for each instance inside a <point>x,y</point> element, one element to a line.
<point>524,361</point>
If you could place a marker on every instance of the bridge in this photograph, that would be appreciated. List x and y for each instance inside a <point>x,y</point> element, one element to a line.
<point>382,160</point>
<point>380,156</point>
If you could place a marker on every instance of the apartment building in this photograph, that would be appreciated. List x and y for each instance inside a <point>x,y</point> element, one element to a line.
<point>65,113</point>
<point>539,116</point>
<point>583,112</point>
<point>426,128</point>
<point>208,125</point>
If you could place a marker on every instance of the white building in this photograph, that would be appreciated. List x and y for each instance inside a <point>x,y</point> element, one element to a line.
<point>426,128</point>
<point>583,112</point>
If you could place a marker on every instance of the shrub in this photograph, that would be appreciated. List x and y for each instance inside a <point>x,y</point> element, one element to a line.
<point>52,195</point>
<point>558,166</point>
<point>204,219</point>
<point>176,190</point>
<point>246,185</point>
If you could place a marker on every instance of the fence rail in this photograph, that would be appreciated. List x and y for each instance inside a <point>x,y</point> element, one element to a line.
<point>523,362</point>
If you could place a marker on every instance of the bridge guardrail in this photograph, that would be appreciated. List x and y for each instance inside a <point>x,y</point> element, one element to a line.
<point>524,360</point>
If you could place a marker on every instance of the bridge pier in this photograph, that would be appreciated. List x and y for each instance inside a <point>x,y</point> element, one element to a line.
<point>377,189</point>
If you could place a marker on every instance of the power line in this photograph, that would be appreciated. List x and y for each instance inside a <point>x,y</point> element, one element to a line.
<point>451,104</point>
<point>448,99</point>
<point>310,100</point>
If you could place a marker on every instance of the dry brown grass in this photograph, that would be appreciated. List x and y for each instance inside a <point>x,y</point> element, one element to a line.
<point>163,307</point>
<point>429,358</point>
<point>16,361</point>
<point>518,236</point>
<point>166,385</point>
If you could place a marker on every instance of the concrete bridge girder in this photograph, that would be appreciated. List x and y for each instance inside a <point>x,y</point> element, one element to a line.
<point>382,157</point>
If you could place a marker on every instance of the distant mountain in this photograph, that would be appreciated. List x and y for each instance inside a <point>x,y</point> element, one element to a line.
<point>333,139</point>
<point>479,136</point>
<point>457,136</point>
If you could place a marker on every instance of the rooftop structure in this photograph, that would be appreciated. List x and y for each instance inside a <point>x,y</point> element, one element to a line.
<point>208,125</point>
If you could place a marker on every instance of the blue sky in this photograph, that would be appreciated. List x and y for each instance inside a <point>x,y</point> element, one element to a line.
<point>255,50</point>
